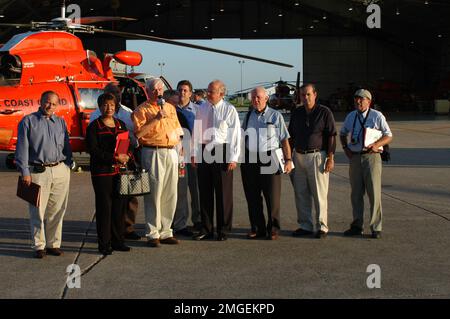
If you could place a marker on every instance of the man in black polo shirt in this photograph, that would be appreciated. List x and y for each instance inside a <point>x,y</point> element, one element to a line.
<point>313,138</point>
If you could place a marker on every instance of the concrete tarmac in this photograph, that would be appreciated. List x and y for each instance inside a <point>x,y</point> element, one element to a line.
<point>413,255</point>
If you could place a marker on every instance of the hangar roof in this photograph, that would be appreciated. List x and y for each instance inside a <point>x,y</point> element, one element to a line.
<point>417,23</point>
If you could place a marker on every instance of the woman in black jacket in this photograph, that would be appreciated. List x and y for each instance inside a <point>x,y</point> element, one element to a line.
<point>101,138</point>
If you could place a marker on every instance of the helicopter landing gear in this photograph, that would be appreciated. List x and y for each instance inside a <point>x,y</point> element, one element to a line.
<point>75,167</point>
<point>9,161</point>
<point>80,161</point>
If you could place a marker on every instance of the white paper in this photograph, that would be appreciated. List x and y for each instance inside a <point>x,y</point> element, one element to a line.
<point>279,158</point>
<point>371,136</point>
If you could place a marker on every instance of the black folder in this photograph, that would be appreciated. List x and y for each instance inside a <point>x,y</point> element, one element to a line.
<point>31,193</point>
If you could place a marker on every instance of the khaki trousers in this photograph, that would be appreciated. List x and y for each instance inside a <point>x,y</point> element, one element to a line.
<point>160,204</point>
<point>46,220</point>
<point>365,176</point>
<point>311,187</point>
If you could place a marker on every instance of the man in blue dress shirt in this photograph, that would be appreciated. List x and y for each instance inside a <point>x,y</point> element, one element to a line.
<point>188,110</point>
<point>265,132</point>
<point>43,156</point>
<point>365,161</point>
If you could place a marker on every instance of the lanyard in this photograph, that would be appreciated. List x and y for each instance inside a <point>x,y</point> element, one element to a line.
<point>362,123</point>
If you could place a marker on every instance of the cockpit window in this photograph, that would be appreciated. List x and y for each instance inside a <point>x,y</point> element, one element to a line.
<point>88,98</point>
<point>10,69</point>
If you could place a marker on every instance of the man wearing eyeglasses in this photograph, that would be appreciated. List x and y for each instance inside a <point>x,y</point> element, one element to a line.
<point>265,131</point>
<point>216,147</point>
<point>365,161</point>
<point>313,138</point>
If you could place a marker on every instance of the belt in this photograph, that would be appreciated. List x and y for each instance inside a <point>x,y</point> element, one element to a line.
<point>307,151</point>
<point>156,147</point>
<point>362,152</point>
<point>46,164</point>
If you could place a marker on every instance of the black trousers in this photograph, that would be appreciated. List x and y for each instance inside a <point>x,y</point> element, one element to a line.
<point>214,182</point>
<point>108,211</point>
<point>269,185</point>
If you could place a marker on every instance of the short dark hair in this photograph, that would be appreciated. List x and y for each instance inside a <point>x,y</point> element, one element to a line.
<point>200,92</point>
<point>184,82</point>
<point>106,97</point>
<point>46,93</point>
<point>113,88</point>
<point>310,85</point>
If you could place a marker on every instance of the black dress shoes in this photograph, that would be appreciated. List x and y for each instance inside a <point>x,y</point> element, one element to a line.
<point>255,235</point>
<point>321,234</point>
<point>301,232</point>
<point>39,254</point>
<point>153,242</point>
<point>353,231</point>
<point>120,247</point>
<point>221,237</point>
<point>169,241</point>
<point>55,252</point>
<point>132,236</point>
<point>203,235</point>
<point>106,251</point>
<point>376,234</point>
<point>184,232</point>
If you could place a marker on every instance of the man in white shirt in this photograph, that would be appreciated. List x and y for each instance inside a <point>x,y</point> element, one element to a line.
<point>216,148</point>
<point>124,113</point>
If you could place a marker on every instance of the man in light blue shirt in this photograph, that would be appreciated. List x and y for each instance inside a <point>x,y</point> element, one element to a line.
<point>265,131</point>
<point>365,162</point>
<point>43,156</point>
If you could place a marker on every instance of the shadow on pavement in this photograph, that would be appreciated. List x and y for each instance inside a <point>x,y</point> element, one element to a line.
<point>411,157</point>
<point>15,237</point>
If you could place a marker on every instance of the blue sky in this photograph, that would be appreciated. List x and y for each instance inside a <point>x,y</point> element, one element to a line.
<point>201,67</point>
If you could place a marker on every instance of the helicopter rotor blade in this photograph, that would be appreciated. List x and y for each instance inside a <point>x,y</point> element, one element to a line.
<point>91,20</point>
<point>17,25</point>
<point>188,45</point>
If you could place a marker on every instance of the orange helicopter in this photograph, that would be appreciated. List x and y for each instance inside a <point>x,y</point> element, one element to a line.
<point>51,57</point>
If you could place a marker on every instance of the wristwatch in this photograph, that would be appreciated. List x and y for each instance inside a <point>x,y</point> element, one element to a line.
<point>344,146</point>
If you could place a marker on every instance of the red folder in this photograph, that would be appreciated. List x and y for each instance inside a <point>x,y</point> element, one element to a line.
<point>122,143</point>
<point>31,194</point>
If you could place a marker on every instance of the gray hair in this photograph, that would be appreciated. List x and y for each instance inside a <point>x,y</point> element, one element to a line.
<point>151,83</point>
<point>259,88</point>
<point>222,87</point>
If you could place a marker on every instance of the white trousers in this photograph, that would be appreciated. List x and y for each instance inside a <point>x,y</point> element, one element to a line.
<point>160,204</point>
<point>46,220</point>
<point>311,185</point>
